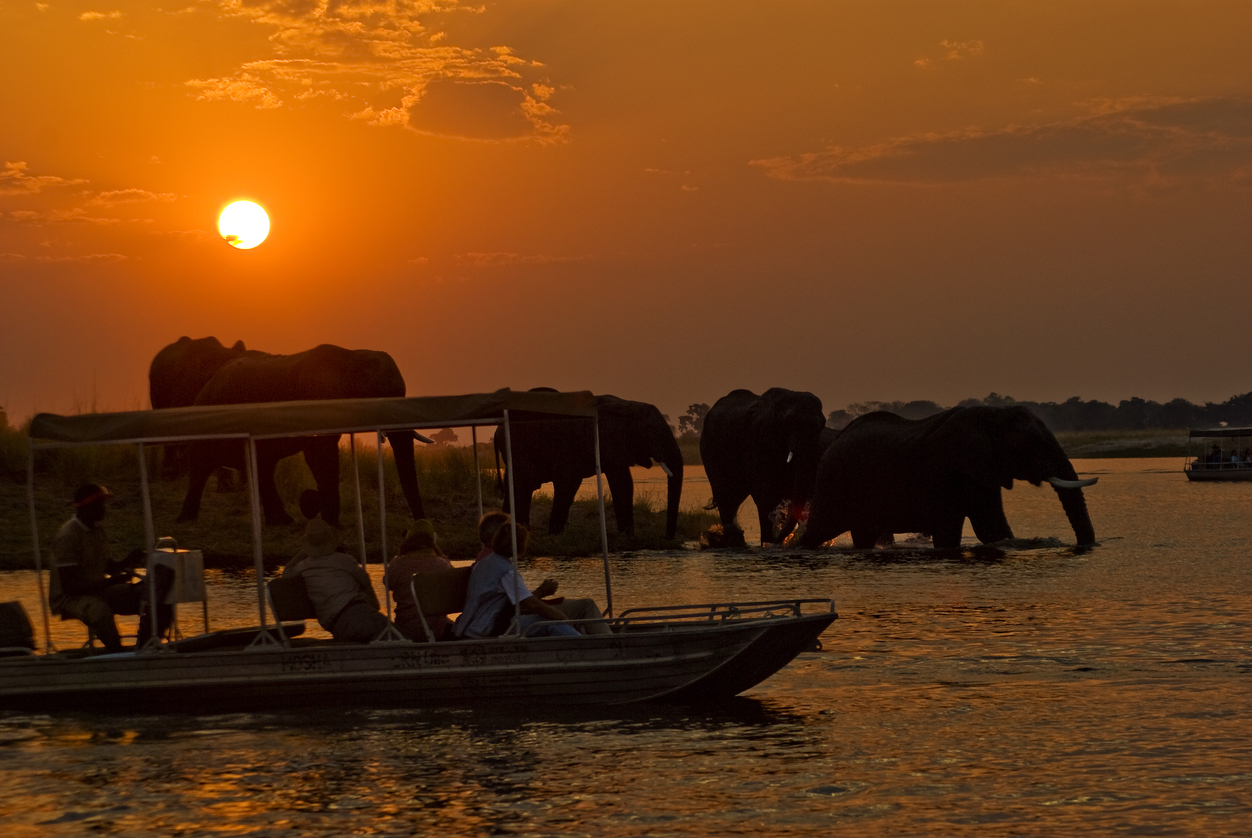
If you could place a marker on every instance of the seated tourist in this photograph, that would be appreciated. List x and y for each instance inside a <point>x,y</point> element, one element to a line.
<point>85,584</point>
<point>496,590</point>
<point>572,609</point>
<point>339,588</point>
<point>419,554</point>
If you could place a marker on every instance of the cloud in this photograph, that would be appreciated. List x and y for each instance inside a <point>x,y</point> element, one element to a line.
<point>129,196</point>
<point>113,15</point>
<point>958,50</point>
<point>85,258</point>
<point>379,60</point>
<point>77,215</point>
<point>1160,142</point>
<point>15,179</point>
<point>495,260</point>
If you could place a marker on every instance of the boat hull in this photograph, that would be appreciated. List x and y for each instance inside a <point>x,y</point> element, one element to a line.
<point>1219,475</point>
<point>675,663</point>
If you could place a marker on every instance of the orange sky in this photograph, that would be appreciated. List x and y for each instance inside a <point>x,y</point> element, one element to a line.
<point>665,201</point>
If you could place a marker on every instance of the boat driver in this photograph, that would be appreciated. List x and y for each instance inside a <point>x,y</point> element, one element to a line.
<point>87,585</point>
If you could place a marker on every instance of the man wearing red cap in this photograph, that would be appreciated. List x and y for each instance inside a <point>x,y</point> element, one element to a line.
<point>86,584</point>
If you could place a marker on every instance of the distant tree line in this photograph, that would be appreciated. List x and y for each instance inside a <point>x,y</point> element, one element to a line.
<point>1073,414</point>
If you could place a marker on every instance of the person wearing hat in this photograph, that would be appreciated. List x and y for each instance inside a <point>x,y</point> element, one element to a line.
<point>419,554</point>
<point>339,588</point>
<point>87,585</point>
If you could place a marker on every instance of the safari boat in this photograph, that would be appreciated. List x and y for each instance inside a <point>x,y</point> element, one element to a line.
<point>1220,454</point>
<point>687,653</point>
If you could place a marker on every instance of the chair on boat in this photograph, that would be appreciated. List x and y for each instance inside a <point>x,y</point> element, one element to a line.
<point>17,635</point>
<point>439,592</point>
<point>289,601</point>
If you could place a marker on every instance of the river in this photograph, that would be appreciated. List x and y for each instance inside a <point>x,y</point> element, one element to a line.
<point>1036,690</point>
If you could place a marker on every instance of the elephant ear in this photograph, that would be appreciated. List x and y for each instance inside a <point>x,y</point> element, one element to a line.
<point>967,443</point>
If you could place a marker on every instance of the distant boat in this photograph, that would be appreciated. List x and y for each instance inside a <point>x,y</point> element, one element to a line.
<point>1220,454</point>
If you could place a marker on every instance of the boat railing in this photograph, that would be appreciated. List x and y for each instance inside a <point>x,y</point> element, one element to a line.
<point>666,617</point>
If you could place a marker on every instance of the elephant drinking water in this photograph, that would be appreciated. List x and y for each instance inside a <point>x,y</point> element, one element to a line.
<point>885,474</point>
<point>766,446</point>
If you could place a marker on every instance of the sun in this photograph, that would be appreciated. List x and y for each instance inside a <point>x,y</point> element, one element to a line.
<point>243,224</point>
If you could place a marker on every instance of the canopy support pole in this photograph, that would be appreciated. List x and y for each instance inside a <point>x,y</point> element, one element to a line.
<point>508,461</point>
<point>149,534</point>
<point>382,523</point>
<point>360,515</point>
<point>604,530</point>
<point>34,534</point>
<point>263,638</point>
<point>478,475</point>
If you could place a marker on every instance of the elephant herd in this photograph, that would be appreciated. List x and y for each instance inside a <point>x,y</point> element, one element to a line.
<point>880,475</point>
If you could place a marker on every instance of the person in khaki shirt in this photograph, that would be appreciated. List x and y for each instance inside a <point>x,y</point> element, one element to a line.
<point>87,585</point>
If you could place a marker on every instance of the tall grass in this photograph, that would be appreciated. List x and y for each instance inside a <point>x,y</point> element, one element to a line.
<point>446,478</point>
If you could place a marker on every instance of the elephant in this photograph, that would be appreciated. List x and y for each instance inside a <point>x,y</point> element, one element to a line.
<point>241,376</point>
<point>766,446</point>
<point>562,452</point>
<point>885,474</point>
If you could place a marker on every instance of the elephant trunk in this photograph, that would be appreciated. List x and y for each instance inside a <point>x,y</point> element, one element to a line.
<point>671,461</point>
<point>1075,504</point>
<point>406,467</point>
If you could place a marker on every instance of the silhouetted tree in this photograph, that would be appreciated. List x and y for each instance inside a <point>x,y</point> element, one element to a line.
<point>692,422</point>
<point>447,436</point>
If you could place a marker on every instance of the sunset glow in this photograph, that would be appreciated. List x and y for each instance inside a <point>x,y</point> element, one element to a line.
<point>244,224</point>
<point>868,201</point>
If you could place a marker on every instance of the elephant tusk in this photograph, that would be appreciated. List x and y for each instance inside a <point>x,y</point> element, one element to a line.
<point>790,454</point>
<point>424,439</point>
<point>665,469</point>
<point>1072,484</point>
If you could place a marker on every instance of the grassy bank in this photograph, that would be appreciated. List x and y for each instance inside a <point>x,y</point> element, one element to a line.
<point>446,477</point>
<point>1120,444</point>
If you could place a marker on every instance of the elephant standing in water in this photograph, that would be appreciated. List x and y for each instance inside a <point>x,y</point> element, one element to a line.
<point>885,474</point>
<point>765,446</point>
<point>562,452</point>
<point>203,372</point>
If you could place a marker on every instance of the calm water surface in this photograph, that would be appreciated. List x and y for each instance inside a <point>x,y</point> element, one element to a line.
<point>1033,691</point>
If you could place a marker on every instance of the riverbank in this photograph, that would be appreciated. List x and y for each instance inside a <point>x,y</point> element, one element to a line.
<point>224,533</point>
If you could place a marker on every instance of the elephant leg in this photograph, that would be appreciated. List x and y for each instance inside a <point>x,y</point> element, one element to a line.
<point>202,466</point>
<point>764,510</point>
<point>986,514</point>
<point>267,460</point>
<point>523,495</point>
<point>322,457</point>
<point>402,443</point>
<point>563,492</point>
<point>728,503</point>
<point>947,534</point>
<point>865,538</point>
<point>622,485</point>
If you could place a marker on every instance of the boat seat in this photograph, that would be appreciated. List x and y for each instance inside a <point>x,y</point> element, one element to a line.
<point>289,602</point>
<point>439,592</point>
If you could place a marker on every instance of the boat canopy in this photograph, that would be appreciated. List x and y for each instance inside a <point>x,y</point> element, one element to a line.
<point>278,419</point>
<point>1211,433</point>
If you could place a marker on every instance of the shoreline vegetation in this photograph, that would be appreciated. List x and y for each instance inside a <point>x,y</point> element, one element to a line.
<point>446,477</point>
<point>224,533</point>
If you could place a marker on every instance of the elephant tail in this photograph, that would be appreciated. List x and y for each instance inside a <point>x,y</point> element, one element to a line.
<point>710,506</point>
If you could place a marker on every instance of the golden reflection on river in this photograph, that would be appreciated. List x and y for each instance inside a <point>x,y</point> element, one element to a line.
<point>1031,691</point>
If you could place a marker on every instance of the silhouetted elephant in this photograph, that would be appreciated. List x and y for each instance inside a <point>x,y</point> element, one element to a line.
<point>562,452</point>
<point>218,375</point>
<point>884,474</point>
<point>765,446</point>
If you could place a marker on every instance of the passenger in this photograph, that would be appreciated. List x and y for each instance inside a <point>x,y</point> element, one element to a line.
<point>573,609</point>
<point>1235,460</point>
<point>339,588</point>
<point>496,589</point>
<point>1215,455</point>
<point>487,527</point>
<point>87,585</point>
<point>419,554</point>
